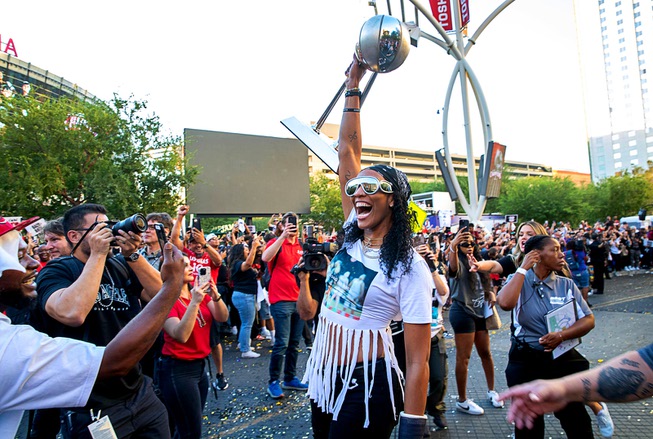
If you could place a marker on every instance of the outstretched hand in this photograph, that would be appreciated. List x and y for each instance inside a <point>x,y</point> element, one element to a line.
<point>531,400</point>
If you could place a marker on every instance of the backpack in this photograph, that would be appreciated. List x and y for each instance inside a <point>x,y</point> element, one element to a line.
<point>267,275</point>
<point>570,258</point>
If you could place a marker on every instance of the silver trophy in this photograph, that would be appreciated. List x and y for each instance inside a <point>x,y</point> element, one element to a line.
<point>383,45</point>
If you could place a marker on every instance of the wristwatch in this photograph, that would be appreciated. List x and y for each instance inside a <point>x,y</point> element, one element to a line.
<point>133,257</point>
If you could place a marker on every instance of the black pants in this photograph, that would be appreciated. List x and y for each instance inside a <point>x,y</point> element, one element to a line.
<point>142,416</point>
<point>526,364</point>
<point>184,385</point>
<point>598,283</point>
<point>438,371</point>
<point>351,417</point>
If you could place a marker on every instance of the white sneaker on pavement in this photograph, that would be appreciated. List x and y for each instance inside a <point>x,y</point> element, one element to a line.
<point>469,407</point>
<point>250,354</point>
<point>493,396</point>
<point>603,418</point>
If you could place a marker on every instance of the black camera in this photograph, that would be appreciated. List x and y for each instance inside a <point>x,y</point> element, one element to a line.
<point>135,223</point>
<point>315,253</point>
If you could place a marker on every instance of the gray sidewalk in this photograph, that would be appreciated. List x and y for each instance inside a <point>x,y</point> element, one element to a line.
<point>623,322</point>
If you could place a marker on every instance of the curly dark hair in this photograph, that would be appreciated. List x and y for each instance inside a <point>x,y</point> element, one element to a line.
<point>237,253</point>
<point>397,247</point>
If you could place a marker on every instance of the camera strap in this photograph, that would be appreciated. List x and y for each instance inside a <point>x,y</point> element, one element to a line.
<point>72,252</point>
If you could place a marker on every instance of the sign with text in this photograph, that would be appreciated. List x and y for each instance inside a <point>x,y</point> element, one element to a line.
<point>8,46</point>
<point>512,218</point>
<point>443,12</point>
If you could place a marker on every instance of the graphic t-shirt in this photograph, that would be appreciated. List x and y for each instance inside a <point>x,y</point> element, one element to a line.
<point>202,261</point>
<point>359,303</point>
<point>117,303</point>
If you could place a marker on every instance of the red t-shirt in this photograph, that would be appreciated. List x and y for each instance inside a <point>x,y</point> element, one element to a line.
<point>198,345</point>
<point>202,261</point>
<point>283,286</point>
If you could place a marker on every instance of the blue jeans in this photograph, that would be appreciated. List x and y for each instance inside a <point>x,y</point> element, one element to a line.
<point>184,385</point>
<point>289,329</point>
<point>246,306</point>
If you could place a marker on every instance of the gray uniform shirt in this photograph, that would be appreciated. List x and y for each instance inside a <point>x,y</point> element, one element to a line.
<point>538,298</point>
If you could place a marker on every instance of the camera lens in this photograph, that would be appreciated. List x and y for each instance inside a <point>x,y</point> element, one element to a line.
<point>135,223</point>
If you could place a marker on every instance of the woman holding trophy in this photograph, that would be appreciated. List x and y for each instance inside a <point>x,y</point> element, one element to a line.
<point>355,385</point>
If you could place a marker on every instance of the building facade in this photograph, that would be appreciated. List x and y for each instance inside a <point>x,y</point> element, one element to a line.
<point>420,165</point>
<point>627,39</point>
<point>20,77</point>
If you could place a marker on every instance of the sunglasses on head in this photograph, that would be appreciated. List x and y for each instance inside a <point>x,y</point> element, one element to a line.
<point>370,185</point>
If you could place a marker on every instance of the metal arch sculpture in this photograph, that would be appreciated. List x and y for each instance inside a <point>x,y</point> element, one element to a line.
<point>464,73</point>
<point>326,150</point>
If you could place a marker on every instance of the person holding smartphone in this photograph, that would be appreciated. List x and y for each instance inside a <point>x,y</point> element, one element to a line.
<point>243,275</point>
<point>281,255</point>
<point>471,291</point>
<point>182,376</point>
<point>199,253</point>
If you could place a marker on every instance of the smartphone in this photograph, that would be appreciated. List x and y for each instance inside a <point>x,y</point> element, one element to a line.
<point>197,224</point>
<point>463,223</point>
<point>204,275</point>
<point>160,234</point>
<point>418,240</point>
<point>292,220</point>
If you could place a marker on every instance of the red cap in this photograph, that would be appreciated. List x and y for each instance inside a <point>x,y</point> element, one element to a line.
<point>6,226</point>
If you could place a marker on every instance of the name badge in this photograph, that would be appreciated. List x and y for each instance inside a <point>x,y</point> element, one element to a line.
<point>557,300</point>
<point>102,429</point>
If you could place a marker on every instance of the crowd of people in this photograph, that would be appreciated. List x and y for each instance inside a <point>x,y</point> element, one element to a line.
<point>148,312</point>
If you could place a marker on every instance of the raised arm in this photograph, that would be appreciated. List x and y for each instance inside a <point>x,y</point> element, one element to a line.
<point>509,293</point>
<point>71,305</point>
<point>176,228</point>
<point>350,145</point>
<point>135,339</point>
<point>148,276</point>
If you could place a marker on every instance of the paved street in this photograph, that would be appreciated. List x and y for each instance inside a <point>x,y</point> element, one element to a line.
<point>623,322</point>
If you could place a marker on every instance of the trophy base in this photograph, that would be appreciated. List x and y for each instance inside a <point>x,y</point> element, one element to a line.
<point>318,143</point>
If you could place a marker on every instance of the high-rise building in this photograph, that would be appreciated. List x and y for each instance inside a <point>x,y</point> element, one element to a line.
<point>627,39</point>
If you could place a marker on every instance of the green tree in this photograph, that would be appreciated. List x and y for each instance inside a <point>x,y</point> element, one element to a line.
<point>620,195</point>
<point>541,199</point>
<point>57,153</point>
<point>326,204</point>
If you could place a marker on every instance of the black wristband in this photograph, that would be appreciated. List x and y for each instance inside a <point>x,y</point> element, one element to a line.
<point>353,92</point>
<point>351,110</point>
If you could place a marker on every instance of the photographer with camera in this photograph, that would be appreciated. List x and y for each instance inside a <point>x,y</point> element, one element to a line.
<point>91,296</point>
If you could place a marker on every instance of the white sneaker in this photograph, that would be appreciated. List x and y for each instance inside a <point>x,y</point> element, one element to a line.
<point>234,330</point>
<point>265,332</point>
<point>603,418</point>
<point>469,407</point>
<point>250,354</point>
<point>493,396</point>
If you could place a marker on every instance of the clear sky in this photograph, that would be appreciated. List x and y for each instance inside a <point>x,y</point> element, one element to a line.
<point>242,66</point>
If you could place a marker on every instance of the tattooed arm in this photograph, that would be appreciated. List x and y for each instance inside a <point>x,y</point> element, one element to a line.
<point>350,145</point>
<point>628,377</point>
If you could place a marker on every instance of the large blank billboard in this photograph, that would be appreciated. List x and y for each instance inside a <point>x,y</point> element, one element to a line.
<point>245,175</point>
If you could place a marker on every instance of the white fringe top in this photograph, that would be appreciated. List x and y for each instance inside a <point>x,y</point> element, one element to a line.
<point>358,305</point>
